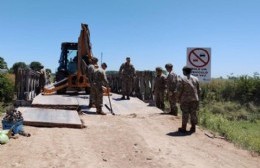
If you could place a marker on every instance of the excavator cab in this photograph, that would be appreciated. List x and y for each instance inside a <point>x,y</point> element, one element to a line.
<point>73,62</point>
<point>67,58</point>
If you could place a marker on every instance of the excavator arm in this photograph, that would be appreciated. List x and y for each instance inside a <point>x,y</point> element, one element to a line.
<point>84,49</point>
<point>84,57</point>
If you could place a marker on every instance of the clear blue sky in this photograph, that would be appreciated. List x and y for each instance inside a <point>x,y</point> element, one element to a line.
<point>151,32</point>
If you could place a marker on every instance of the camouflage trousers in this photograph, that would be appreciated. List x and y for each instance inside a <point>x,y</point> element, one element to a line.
<point>173,103</point>
<point>91,100</point>
<point>97,96</point>
<point>159,99</point>
<point>127,85</point>
<point>189,109</point>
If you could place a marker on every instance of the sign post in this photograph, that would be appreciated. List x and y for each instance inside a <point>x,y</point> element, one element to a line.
<point>200,60</point>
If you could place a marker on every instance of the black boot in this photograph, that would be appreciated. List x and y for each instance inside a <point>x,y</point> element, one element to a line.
<point>193,128</point>
<point>89,105</point>
<point>128,97</point>
<point>174,111</point>
<point>182,129</point>
<point>123,97</point>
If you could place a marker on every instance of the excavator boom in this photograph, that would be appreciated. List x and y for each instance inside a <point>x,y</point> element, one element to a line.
<point>72,71</point>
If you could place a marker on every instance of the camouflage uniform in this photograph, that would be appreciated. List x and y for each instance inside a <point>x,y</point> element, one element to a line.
<point>172,80</point>
<point>42,79</point>
<point>159,90</point>
<point>127,72</point>
<point>188,94</point>
<point>99,80</point>
<point>91,69</point>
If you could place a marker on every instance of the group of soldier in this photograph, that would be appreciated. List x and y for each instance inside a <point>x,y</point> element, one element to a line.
<point>99,82</point>
<point>183,90</point>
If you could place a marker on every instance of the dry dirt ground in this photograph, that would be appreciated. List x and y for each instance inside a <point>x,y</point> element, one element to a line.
<point>137,136</point>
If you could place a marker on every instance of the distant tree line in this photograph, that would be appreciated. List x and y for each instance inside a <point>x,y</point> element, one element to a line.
<point>7,79</point>
<point>242,89</point>
<point>35,65</point>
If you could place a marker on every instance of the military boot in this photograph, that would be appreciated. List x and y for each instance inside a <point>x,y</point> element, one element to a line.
<point>91,104</point>
<point>174,111</point>
<point>193,128</point>
<point>182,129</point>
<point>123,97</point>
<point>99,111</point>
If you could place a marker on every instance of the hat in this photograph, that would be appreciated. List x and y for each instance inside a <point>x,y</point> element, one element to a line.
<point>104,64</point>
<point>127,58</point>
<point>187,68</point>
<point>168,65</point>
<point>158,69</point>
<point>94,60</point>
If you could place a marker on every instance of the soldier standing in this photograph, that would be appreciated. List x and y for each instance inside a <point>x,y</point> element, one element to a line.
<point>99,80</point>
<point>188,96</point>
<point>91,69</point>
<point>127,72</point>
<point>104,66</point>
<point>42,79</point>
<point>159,88</point>
<point>172,80</point>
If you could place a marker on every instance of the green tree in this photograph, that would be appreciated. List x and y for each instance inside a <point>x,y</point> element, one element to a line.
<point>3,64</point>
<point>18,65</point>
<point>36,66</point>
<point>6,89</point>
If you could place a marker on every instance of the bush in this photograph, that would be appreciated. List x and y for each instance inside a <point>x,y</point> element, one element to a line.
<point>230,107</point>
<point>6,88</point>
<point>243,89</point>
<point>243,133</point>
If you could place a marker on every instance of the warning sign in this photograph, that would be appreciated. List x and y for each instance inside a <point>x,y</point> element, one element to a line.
<point>200,60</point>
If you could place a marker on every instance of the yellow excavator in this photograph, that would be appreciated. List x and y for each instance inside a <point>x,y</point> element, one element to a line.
<point>73,63</point>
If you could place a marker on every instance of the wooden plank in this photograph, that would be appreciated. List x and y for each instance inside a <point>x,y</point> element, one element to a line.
<point>50,117</point>
<point>55,100</point>
<point>120,107</point>
<point>67,102</point>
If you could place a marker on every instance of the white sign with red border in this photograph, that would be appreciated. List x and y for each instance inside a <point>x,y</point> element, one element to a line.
<point>200,60</point>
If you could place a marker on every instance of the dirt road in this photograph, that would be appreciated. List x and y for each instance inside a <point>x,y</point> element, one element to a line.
<point>141,138</point>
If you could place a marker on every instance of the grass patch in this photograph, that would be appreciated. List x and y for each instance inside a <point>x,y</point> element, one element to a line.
<point>226,120</point>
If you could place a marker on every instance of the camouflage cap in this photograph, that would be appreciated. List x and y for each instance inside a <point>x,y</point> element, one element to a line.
<point>94,60</point>
<point>169,65</point>
<point>159,69</point>
<point>187,68</point>
<point>104,65</point>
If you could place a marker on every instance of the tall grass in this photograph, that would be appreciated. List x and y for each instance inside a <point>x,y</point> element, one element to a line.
<point>241,89</point>
<point>244,133</point>
<point>231,107</point>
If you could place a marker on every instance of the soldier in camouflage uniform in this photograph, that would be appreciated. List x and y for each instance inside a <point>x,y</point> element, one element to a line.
<point>90,69</point>
<point>42,80</point>
<point>159,88</point>
<point>172,81</point>
<point>99,80</point>
<point>188,96</point>
<point>104,66</point>
<point>127,72</point>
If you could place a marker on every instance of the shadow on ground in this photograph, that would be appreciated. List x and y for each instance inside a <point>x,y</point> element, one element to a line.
<point>179,134</point>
